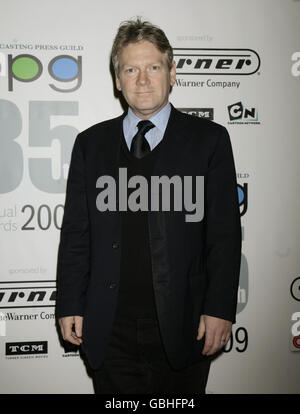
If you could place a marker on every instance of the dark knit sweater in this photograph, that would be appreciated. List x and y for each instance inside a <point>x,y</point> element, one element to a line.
<point>136,296</point>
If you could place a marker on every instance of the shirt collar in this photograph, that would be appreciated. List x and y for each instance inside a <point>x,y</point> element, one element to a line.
<point>160,119</point>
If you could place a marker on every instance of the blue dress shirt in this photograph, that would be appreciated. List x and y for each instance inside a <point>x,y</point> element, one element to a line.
<point>155,135</point>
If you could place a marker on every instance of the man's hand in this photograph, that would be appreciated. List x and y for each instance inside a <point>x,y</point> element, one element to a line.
<point>217,333</point>
<point>66,325</point>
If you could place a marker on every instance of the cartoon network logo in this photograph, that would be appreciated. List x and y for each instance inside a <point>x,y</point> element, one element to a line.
<point>28,68</point>
<point>191,61</point>
<point>239,114</point>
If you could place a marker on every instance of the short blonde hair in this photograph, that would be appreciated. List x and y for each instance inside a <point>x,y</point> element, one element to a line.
<point>133,31</point>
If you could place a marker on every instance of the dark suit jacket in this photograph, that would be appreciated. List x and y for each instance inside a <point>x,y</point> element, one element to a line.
<point>195,265</point>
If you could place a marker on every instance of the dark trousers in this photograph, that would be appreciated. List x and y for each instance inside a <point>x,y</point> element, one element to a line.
<point>136,363</point>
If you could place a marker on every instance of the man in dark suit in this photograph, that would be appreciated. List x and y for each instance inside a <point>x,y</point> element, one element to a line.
<point>149,293</point>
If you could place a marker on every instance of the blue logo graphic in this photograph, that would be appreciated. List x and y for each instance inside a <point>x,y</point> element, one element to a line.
<point>64,68</point>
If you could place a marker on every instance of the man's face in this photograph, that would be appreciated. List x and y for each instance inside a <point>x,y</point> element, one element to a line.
<point>144,78</point>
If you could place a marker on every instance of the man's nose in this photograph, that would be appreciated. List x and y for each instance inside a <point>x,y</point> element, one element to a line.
<point>142,78</point>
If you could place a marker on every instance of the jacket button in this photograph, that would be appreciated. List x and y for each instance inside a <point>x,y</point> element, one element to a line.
<point>115,245</point>
<point>112,285</point>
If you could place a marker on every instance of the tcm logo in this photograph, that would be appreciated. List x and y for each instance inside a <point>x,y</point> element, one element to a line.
<point>28,294</point>
<point>28,68</point>
<point>207,113</point>
<point>238,114</point>
<point>26,348</point>
<point>295,330</point>
<point>296,66</point>
<point>216,61</point>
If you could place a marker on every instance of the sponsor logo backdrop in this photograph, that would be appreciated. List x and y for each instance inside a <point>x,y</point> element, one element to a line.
<point>238,65</point>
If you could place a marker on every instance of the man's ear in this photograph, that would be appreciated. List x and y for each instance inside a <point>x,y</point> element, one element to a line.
<point>173,73</point>
<point>118,83</point>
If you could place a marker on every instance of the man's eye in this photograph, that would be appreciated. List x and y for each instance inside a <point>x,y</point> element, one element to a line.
<point>155,67</point>
<point>130,70</point>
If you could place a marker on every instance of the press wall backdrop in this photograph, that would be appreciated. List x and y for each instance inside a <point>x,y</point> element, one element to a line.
<point>238,64</point>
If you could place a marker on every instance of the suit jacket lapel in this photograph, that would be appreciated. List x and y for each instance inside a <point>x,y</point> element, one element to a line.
<point>173,140</point>
<point>167,157</point>
<point>111,148</point>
